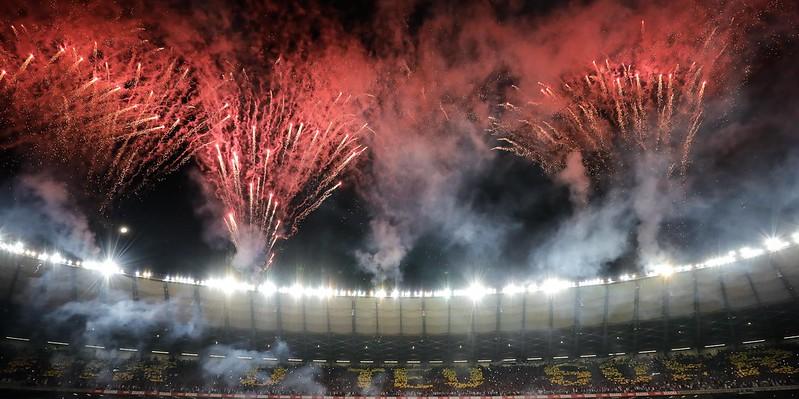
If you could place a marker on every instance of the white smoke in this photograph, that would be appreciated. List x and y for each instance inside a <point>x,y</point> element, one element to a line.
<point>45,208</point>
<point>592,236</point>
<point>575,178</point>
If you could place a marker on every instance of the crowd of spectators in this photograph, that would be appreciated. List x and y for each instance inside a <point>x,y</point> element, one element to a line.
<point>745,368</point>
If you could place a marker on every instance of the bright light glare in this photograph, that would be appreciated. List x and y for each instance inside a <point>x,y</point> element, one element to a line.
<point>228,285</point>
<point>720,261</point>
<point>267,288</point>
<point>476,292</point>
<point>774,244</point>
<point>587,283</point>
<point>664,270</point>
<point>512,289</point>
<point>107,267</point>
<point>553,286</point>
<point>445,293</point>
<point>749,253</point>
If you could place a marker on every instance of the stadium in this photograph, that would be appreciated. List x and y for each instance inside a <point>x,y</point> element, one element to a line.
<point>674,333</point>
<point>382,199</point>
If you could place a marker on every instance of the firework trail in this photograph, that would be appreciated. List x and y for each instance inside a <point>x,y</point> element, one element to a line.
<point>116,106</point>
<point>274,154</point>
<point>610,113</point>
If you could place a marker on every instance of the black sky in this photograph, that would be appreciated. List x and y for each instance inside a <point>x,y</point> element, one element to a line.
<point>743,188</point>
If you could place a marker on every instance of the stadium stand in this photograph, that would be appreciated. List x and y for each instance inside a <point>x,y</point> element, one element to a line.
<point>100,371</point>
<point>713,331</point>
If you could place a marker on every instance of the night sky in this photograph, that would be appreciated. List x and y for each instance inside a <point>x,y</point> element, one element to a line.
<point>463,211</point>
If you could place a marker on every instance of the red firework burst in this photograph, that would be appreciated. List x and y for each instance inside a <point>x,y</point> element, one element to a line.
<point>114,104</point>
<point>609,114</point>
<point>273,154</point>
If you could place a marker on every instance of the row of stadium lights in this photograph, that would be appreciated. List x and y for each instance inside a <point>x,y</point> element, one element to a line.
<point>410,362</point>
<point>475,291</point>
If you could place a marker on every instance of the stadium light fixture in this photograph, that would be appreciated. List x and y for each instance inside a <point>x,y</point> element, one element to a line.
<point>663,270</point>
<point>553,286</point>
<point>446,293</point>
<point>591,282</point>
<point>107,267</point>
<point>297,290</point>
<point>775,244</point>
<point>228,285</point>
<point>56,258</point>
<point>720,260</point>
<point>475,291</point>
<point>267,288</point>
<point>512,289</point>
<point>124,230</point>
<point>749,252</point>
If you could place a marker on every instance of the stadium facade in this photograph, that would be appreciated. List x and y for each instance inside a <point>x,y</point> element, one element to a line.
<point>741,303</point>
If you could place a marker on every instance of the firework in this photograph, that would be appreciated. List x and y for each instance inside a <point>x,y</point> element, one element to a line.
<point>274,154</point>
<point>117,107</point>
<point>609,113</point>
